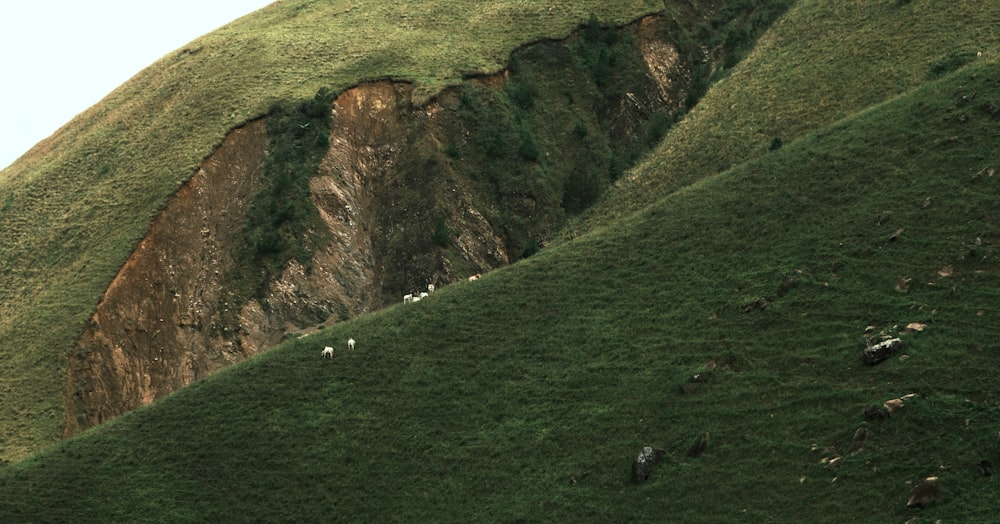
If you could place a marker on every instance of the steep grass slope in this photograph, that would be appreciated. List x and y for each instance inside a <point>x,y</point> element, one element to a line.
<point>526,394</point>
<point>73,207</point>
<point>822,62</point>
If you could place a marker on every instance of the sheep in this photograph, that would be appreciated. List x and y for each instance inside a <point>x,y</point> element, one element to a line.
<point>327,352</point>
<point>894,405</point>
<point>408,298</point>
<point>350,344</point>
<point>474,277</point>
<point>416,299</point>
<point>423,295</point>
<point>430,288</point>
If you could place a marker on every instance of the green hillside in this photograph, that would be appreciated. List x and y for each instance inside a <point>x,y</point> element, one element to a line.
<point>74,207</point>
<point>527,394</point>
<point>822,62</point>
<point>838,185</point>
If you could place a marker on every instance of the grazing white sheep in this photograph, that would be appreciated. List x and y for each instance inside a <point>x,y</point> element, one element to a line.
<point>327,352</point>
<point>350,344</point>
<point>408,298</point>
<point>416,299</point>
<point>423,295</point>
<point>894,405</point>
<point>474,277</point>
<point>430,288</point>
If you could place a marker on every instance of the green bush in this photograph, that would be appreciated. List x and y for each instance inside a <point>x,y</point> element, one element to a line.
<point>948,63</point>
<point>521,93</point>
<point>531,247</point>
<point>582,189</point>
<point>281,212</point>
<point>442,235</point>
<point>606,52</point>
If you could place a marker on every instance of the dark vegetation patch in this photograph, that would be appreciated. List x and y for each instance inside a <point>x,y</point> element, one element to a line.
<point>282,214</point>
<point>282,223</point>
<point>596,85</point>
<point>949,62</point>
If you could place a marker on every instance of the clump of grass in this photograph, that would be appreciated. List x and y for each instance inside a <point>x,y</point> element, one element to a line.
<point>950,62</point>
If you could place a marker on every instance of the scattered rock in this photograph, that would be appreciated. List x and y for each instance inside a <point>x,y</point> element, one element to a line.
<point>860,436</point>
<point>699,446</point>
<point>927,490</point>
<point>878,352</point>
<point>758,304</point>
<point>875,413</point>
<point>895,236</point>
<point>903,284</point>
<point>642,468</point>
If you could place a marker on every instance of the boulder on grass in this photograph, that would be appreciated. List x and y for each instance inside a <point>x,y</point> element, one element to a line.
<point>642,468</point>
<point>878,352</point>
<point>926,491</point>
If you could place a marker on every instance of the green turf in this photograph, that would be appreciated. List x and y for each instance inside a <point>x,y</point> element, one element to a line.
<point>525,395</point>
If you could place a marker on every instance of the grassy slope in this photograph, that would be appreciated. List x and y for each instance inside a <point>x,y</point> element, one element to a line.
<point>822,61</point>
<point>74,206</point>
<point>527,394</point>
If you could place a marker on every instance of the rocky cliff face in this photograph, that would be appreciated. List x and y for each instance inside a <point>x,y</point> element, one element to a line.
<point>400,195</point>
<point>151,333</point>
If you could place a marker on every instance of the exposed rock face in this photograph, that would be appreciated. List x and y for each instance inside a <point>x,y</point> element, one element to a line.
<point>663,60</point>
<point>384,185</point>
<point>159,325</point>
<point>376,202</point>
<point>151,333</point>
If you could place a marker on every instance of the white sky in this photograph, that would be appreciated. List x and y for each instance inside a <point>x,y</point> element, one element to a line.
<point>59,57</point>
